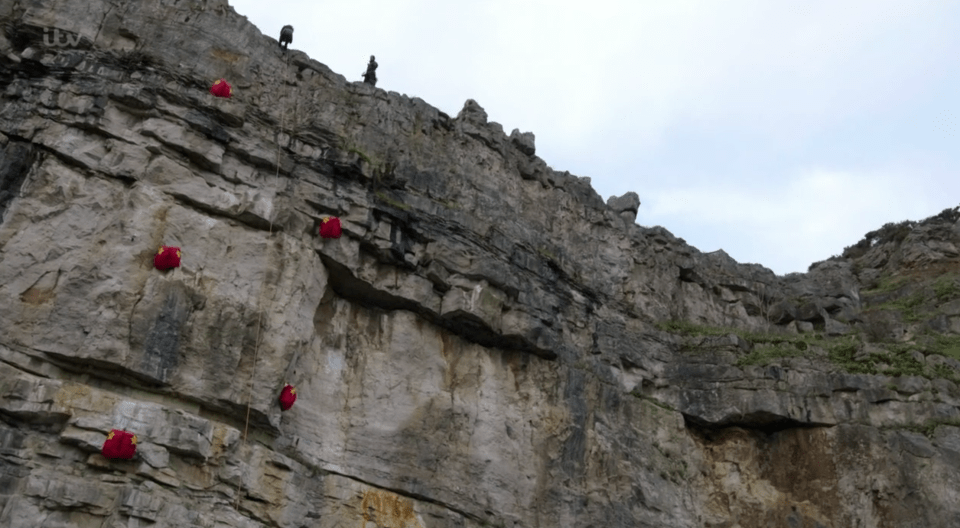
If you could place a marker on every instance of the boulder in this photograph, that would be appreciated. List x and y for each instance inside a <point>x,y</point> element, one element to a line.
<point>782,312</point>
<point>626,206</point>
<point>523,141</point>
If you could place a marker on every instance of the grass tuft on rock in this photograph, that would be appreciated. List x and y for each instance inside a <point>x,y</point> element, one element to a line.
<point>846,352</point>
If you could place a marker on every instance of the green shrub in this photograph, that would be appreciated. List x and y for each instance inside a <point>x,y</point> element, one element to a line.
<point>878,325</point>
<point>893,359</point>
<point>945,345</point>
<point>389,201</point>
<point>687,328</point>
<point>945,288</point>
<point>764,354</point>
<point>929,427</point>
<point>945,372</point>
<point>887,284</point>
<point>890,232</point>
<point>841,352</point>
<point>949,215</point>
<point>363,156</point>
<point>909,307</point>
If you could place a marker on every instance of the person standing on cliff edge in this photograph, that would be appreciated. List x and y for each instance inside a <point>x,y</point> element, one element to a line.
<point>286,36</point>
<point>370,77</point>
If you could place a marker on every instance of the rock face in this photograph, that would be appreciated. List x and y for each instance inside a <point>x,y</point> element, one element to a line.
<point>627,205</point>
<point>488,343</point>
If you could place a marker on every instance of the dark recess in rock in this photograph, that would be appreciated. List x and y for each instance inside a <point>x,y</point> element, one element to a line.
<point>16,160</point>
<point>351,288</point>
<point>760,421</point>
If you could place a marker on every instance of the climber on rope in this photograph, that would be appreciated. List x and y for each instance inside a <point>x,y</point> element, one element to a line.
<point>286,36</point>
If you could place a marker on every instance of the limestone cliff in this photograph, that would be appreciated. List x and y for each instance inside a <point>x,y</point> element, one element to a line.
<point>488,343</point>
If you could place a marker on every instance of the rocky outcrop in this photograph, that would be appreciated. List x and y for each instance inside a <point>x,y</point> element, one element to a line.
<point>488,343</point>
<point>627,205</point>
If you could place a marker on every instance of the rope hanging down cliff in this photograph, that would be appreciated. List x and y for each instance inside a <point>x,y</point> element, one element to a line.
<point>256,349</point>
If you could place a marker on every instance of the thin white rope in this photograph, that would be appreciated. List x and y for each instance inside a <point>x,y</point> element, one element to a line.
<point>256,350</point>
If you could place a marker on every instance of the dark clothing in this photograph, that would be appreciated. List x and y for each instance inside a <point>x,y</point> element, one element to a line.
<point>371,76</point>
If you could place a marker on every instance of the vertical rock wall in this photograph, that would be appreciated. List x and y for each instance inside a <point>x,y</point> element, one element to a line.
<point>488,343</point>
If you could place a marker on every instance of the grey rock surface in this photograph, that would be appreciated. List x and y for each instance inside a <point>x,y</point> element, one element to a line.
<point>524,141</point>
<point>626,206</point>
<point>488,343</point>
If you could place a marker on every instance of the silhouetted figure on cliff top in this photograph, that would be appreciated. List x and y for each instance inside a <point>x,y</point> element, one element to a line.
<point>286,36</point>
<point>370,77</point>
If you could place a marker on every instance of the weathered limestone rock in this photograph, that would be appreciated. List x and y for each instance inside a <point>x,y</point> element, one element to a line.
<point>524,141</point>
<point>626,206</point>
<point>488,343</point>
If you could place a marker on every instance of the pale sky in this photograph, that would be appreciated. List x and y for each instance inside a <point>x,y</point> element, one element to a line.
<point>777,130</point>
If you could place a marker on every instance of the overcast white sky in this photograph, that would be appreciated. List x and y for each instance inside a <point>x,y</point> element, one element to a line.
<point>778,130</point>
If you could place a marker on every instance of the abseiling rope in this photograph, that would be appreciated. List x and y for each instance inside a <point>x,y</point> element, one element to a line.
<point>256,349</point>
